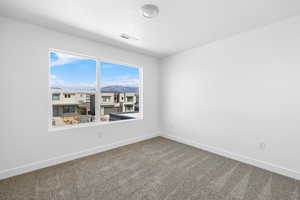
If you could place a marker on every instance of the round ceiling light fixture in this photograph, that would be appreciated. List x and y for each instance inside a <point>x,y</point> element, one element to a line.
<point>149,10</point>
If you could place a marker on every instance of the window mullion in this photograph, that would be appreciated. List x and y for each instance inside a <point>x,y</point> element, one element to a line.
<point>98,91</point>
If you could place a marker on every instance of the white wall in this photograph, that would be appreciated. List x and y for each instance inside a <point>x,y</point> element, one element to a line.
<point>25,143</point>
<point>231,95</point>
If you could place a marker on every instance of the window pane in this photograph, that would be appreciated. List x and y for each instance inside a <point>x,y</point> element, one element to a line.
<point>73,87</point>
<point>55,97</point>
<point>120,91</point>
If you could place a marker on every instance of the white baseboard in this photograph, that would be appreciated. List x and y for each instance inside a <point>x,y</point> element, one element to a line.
<point>68,157</point>
<point>244,159</point>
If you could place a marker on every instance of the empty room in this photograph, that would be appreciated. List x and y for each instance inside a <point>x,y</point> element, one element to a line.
<point>150,100</point>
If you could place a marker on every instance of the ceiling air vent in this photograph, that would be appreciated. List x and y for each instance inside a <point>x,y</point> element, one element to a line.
<point>125,36</point>
<point>128,37</point>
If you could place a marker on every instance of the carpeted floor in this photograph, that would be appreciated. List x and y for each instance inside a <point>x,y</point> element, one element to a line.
<point>155,169</point>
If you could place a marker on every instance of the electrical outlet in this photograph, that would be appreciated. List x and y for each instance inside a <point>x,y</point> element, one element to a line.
<point>100,134</point>
<point>262,146</point>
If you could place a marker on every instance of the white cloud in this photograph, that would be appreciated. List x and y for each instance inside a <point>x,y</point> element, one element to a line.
<point>64,59</point>
<point>124,82</point>
<point>56,82</point>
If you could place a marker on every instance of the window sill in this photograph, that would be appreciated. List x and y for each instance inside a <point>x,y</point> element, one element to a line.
<point>91,124</point>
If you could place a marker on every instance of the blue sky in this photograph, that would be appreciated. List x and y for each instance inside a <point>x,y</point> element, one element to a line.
<point>72,72</point>
<point>114,74</point>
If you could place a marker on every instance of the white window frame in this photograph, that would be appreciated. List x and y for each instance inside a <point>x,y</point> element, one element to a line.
<point>98,99</point>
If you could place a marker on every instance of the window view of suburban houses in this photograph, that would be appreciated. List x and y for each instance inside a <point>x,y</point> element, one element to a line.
<point>74,90</point>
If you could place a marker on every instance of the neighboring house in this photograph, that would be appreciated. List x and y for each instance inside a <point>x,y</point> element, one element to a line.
<point>78,102</point>
<point>129,102</point>
<point>71,102</point>
<point>117,102</point>
<point>109,103</point>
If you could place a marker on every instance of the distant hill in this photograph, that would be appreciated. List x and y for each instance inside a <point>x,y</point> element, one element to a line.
<point>118,88</point>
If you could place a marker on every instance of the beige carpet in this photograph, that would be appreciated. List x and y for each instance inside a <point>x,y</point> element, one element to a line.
<point>151,170</point>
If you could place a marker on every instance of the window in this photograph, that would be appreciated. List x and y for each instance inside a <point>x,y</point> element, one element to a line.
<point>55,97</point>
<point>69,109</point>
<point>67,96</point>
<point>129,99</point>
<point>119,81</point>
<point>105,98</point>
<point>72,76</point>
<point>88,90</point>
